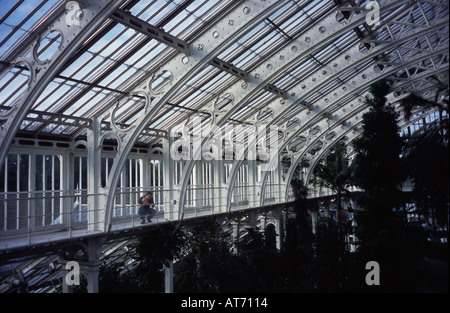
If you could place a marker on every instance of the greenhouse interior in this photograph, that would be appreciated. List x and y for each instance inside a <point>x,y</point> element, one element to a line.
<point>224,147</point>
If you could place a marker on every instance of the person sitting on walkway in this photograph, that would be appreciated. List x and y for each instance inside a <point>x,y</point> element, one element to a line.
<point>146,207</point>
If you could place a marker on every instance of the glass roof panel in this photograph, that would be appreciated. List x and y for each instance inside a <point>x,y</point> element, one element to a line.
<point>116,59</point>
<point>12,85</point>
<point>17,20</point>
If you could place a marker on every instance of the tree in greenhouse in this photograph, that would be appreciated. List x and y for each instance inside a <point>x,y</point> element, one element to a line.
<point>313,261</point>
<point>261,261</point>
<point>298,247</point>
<point>152,252</point>
<point>427,157</point>
<point>206,263</point>
<point>335,173</point>
<point>377,167</point>
<point>383,233</point>
<point>440,101</point>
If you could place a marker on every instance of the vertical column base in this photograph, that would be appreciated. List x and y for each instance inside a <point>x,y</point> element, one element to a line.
<point>313,215</point>
<point>92,266</point>
<point>168,276</point>
<point>93,270</point>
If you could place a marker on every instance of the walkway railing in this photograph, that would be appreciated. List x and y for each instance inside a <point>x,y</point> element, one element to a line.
<point>27,218</point>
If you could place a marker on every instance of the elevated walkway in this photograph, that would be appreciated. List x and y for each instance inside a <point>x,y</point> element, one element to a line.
<point>58,235</point>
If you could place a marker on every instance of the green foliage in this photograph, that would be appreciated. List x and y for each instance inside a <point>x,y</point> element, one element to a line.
<point>384,234</point>
<point>377,167</point>
<point>207,264</point>
<point>207,261</point>
<point>300,192</point>
<point>379,170</point>
<point>261,261</point>
<point>335,172</point>
<point>113,279</point>
<point>327,255</point>
<point>427,158</point>
<point>440,100</point>
<point>152,252</point>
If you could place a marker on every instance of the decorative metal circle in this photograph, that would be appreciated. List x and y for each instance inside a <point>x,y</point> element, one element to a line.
<point>224,102</point>
<point>47,47</point>
<point>160,81</point>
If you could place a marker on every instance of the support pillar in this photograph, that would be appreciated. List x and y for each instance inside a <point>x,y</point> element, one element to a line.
<point>275,219</point>
<point>313,214</point>
<point>96,200</point>
<point>219,201</point>
<point>86,264</point>
<point>252,184</point>
<point>93,264</point>
<point>67,170</point>
<point>198,181</point>
<point>144,180</point>
<point>169,199</point>
<point>235,225</point>
<point>93,270</point>
<point>277,223</point>
<point>168,276</point>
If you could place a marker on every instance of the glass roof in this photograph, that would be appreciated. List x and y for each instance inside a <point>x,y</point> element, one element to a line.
<point>117,59</point>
